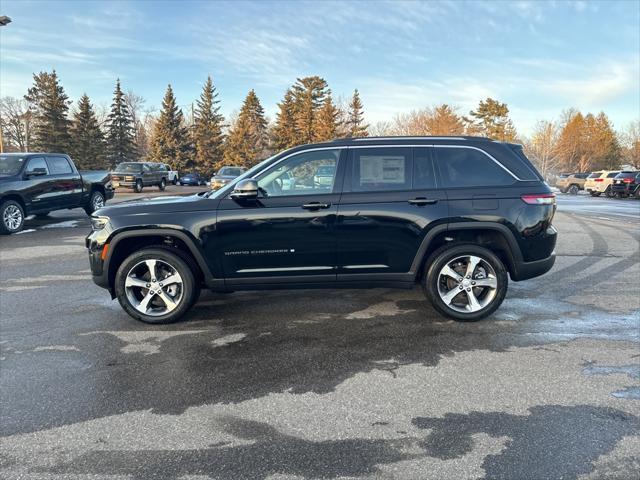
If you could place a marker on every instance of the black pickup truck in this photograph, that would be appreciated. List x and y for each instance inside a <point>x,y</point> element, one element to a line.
<point>38,183</point>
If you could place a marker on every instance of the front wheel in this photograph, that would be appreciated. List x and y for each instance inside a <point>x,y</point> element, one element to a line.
<point>466,282</point>
<point>175,180</point>
<point>155,285</point>
<point>138,186</point>
<point>163,185</point>
<point>11,216</point>
<point>96,202</point>
<point>574,189</point>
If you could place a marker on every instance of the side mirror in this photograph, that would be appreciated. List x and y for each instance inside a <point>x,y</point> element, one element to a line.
<point>245,189</point>
<point>36,172</point>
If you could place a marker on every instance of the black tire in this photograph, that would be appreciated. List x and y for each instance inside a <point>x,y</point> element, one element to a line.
<point>13,222</point>
<point>608,192</point>
<point>637,193</point>
<point>163,185</point>
<point>595,194</point>
<point>448,253</point>
<point>175,180</point>
<point>190,289</point>
<point>138,186</point>
<point>96,202</point>
<point>574,189</point>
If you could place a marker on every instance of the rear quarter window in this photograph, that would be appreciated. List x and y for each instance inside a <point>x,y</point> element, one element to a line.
<point>468,167</point>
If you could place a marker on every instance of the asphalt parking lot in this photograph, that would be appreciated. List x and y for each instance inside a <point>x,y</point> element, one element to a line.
<point>325,384</point>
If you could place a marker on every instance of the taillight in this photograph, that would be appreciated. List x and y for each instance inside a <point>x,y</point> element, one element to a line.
<point>627,180</point>
<point>539,199</point>
<point>598,180</point>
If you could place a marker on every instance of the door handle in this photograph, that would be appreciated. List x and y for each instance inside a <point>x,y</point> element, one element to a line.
<point>422,201</point>
<point>315,205</point>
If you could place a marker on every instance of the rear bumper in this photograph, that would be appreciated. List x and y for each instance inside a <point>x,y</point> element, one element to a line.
<point>526,270</point>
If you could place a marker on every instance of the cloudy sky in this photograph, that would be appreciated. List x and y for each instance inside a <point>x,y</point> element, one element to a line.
<point>539,57</point>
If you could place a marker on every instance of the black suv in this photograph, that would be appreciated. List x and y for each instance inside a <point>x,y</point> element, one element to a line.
<point>455,214</point>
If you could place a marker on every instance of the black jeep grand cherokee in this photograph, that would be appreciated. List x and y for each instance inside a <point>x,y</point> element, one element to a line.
<point>455,214</point>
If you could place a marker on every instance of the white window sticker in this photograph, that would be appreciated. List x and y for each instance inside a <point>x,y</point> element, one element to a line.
<point>378,169</point>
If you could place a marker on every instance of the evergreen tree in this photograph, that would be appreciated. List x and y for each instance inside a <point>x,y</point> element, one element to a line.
<point>120,135</point>
<point>309,94</point>
<point>88,147</point>
<point>170,143</point>
<point>443,120</point>
<point>326,124</point>
<point>284,133</point>
<point>355,117</point>
<point>49,106</point>
<point>208,139</point>
<point>491,119</point>
<point>247,140</point>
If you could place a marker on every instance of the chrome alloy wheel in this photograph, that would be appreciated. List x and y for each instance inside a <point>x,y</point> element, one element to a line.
<point>154,288</point>
<point>467,284</point>
<point>12,217</point>
<point>98,201</point>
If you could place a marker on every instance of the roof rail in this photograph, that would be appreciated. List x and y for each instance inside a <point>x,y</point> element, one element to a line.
<point>410,137</point>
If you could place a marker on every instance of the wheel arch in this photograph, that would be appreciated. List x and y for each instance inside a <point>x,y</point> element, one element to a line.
<point>17,198</point>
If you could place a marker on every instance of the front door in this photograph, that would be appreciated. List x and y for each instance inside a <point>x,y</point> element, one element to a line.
<point>65,182</point>
<point>287,234</point>
<point>390,201</point>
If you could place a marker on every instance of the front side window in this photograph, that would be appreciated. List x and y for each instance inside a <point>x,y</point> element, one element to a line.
<point>381,169</point>
<point>59,165</point>
<point>129,168</point>
<point>37,163</point>
<point>307,173</point>
<point>467,167</point>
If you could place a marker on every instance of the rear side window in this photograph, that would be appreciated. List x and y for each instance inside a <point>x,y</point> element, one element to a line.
<point>582,175</point>
<point>612,174</point>
<point>467,167</point>
<point>595,175</point>
<point>59,165</point>
<point>381,169</point>
<point>37,163</point>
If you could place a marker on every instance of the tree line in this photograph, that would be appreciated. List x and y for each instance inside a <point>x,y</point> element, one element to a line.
<point>203,140</point>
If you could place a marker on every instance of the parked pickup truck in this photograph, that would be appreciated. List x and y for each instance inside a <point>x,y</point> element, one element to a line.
<point>38,183</point>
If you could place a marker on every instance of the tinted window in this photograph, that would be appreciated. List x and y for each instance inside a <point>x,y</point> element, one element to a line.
<point>297,175</point>
<point>612,174</point>
<point>466,167</point>
<point>595,175</point>
<point>59,165</point>
<point>37,163</point>
<point>626,175</point>
<point>423,176</point>
<point>381,169</point>
<point>582,175</point>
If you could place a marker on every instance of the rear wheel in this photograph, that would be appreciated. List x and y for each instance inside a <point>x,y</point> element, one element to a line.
<point>574,189</point>
<point>96,202</point>
<point>155,286</point>
<point>163,185</point>
<point>466,282</point>
<point>11,217</point>
<point>608,192</point>
<point>138,186</point>
<point>175,180</point>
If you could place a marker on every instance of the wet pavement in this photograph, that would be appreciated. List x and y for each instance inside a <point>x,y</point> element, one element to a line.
<point>325,384</point>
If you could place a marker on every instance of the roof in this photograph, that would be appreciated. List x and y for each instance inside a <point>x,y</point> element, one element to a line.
<point>411,138</point>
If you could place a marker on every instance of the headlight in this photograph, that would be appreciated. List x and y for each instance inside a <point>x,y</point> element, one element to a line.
<point>98,223</point>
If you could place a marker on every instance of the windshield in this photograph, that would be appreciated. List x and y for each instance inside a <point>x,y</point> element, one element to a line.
<point>248,174</point>
<point>10,164</point>
<point>129,167</point>
<point>230,171</point>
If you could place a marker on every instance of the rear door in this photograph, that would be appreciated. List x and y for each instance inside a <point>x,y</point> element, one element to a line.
<point>390,201</point>
<point>66,181</point>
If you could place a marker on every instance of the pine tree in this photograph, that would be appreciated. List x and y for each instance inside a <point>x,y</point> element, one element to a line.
<point>88,147</point>
<point>443,120</point>
<point>120,135</point>
<point>247,140</point>
<point>326,124</point>
<point>170,143</point>
<point>355,118</point>
<point>208,139</point>
<point>309,94</point>
<point>49,106</point>
<point>491,119</point>
<point>284,133</point>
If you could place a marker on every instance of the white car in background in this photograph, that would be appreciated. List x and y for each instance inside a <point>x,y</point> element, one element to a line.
<point>172,175</point>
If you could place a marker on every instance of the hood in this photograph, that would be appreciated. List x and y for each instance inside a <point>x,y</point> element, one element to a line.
<point>168,204</point>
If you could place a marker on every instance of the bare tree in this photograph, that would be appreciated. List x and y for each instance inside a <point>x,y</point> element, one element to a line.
<point>630,139</point>
<point>381,129</point>
<point>15,122</point>
<point>542,147</point>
